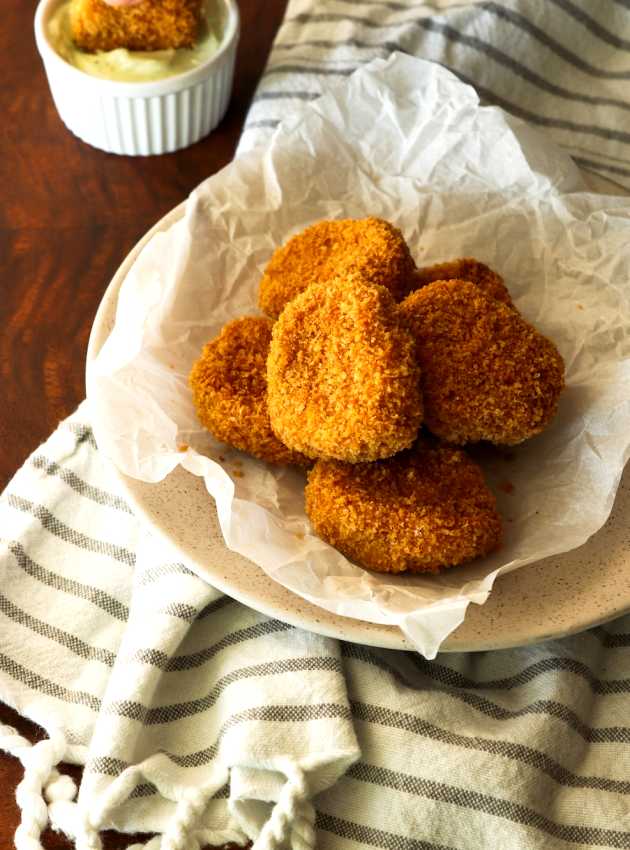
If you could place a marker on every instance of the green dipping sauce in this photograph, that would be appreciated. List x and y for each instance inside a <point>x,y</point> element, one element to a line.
<point>135,66</point>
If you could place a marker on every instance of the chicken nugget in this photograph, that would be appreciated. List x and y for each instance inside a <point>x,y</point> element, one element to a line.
<point>150,25</point>
<point>370,247</point>
<point>420,511</point>
<point>467,268</point>
<point>229,385</point>
<point>486,373</point>
<point>343,378</point>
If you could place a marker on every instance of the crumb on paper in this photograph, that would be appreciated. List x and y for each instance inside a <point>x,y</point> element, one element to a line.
<point>183,447</point>
<point>238,473</point>
<point>506,487</point>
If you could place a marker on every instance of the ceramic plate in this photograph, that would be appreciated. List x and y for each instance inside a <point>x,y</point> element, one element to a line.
<point>548,599</point>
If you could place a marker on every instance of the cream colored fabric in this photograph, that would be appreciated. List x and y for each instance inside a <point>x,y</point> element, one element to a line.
<point>195,716</point>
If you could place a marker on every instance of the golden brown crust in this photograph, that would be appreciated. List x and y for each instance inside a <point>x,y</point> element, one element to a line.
<point>343,380</point>
<point>420,511</point>
<point>148,26</point>
<point>229,384</point>
<point>486,373</point>
<point>369,247</point>
<point>466,268</point>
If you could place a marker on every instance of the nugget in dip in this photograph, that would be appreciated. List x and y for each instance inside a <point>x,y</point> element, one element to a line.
<point>343,378</point>
<point>423,510</point>
<point>149,25</point>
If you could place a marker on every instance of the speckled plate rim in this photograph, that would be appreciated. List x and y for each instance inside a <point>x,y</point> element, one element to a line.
<point>547,600</point>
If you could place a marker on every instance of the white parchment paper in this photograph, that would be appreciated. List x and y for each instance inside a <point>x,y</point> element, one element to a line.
<point>405,140</point>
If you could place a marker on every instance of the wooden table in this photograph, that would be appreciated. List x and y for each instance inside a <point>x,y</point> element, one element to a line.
<point>69,215</point>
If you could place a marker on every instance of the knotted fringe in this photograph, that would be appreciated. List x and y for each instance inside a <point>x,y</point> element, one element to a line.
<point>47,797</point>
<point>183,832</point>
<point>292,817</point>
<point>41,783</point>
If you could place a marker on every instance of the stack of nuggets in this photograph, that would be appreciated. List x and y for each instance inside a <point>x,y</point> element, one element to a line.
<point>365,350</point>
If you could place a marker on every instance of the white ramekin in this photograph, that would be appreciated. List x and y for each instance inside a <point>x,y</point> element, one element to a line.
<point>138,119</point>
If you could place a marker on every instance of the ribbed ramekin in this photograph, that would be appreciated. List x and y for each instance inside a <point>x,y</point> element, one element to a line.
<point>140,119</point>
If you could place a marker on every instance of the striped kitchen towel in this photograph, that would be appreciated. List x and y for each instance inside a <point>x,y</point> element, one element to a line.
<point>200,720</point>
<point>194,716</point>
<point>563,65</point>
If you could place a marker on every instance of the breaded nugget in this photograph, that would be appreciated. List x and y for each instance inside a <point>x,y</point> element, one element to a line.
<point>486,373</point>
<point>343,379</point>
<point>229,384</point>
<point>370,247</point>
<point>420,511</point>
<point>150,25</point>
<point>467,268</point>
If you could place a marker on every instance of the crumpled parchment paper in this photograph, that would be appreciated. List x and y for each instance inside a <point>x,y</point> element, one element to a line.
<point>405,140</point>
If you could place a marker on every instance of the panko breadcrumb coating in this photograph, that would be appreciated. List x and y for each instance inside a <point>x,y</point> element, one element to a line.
<point>151,25</point>
<point>369,247</point>
<point>343,379</point>
<point>229,385</point>
<point>467,268</point>
<point>486,373</point>
<point>420,511</point>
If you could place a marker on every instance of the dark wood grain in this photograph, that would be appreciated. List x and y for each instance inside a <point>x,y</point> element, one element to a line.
<point>68,217</point>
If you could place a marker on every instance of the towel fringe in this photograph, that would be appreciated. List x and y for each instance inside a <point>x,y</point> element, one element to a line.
<point>181,833</point>
<point>191,805</point>
<point>293,815</point>
<point>46,796</point>
<point>41,782</point>
<point>154,843</point>
<point>198,838</point>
